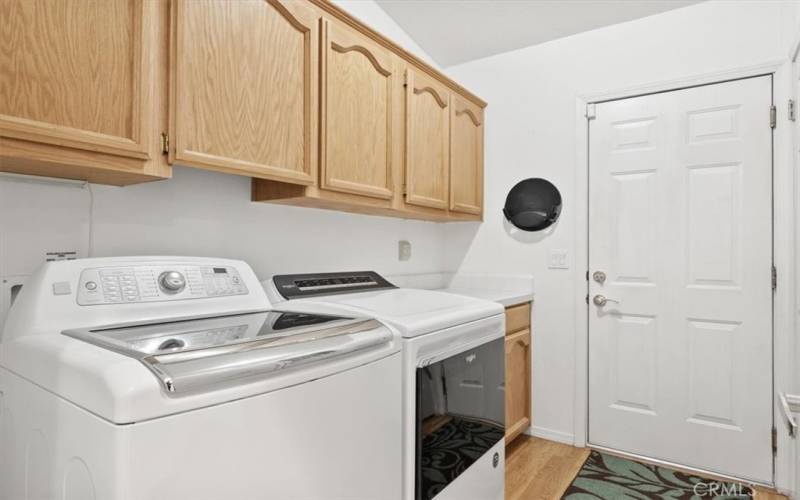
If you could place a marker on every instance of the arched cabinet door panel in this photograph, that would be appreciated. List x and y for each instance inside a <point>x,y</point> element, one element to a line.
<point>427,141</point>
<point>77,74</point>
<point>466,157</point>
<point>356,116</point>
<point>244,87</point>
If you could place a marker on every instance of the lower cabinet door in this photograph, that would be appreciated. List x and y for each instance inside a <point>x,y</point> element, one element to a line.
<point>518,383</point>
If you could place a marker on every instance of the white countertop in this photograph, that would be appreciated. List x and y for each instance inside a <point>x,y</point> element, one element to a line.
<point>505,297</point>
<point>505,289</point>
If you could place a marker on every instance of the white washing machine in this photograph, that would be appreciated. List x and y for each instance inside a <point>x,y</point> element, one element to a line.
<point>453,376</point>
<point>170,378</point>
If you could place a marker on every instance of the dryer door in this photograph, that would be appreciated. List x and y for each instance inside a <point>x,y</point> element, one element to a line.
<point>460,414</point>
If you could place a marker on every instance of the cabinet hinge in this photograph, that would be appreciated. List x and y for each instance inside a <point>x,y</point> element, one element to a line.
<point>164,143</point>
<point>774,278</point>
<point>773,116</point>
<point>792,110</point>
<point>591,112</point>
<point>774,441</point>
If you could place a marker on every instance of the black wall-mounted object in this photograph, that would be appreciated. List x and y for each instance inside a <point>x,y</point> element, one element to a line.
<point>533,204</point>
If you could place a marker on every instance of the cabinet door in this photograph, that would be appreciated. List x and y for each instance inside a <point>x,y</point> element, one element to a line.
<point>356,117</point>
<point>518,380</point>
<point>74,74</point>
<point>244,87</point>
<point>427,141</point>
<point>466,157</point>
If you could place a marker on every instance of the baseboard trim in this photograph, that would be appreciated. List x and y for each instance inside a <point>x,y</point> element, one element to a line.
<point>551,435</point>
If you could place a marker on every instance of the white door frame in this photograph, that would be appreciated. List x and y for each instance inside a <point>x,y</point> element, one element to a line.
<point>784,243</point>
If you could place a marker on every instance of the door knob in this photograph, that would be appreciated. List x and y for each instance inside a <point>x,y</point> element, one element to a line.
<point>601,300</point>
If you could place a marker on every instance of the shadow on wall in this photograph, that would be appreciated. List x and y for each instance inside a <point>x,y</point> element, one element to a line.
<point>528,236</point>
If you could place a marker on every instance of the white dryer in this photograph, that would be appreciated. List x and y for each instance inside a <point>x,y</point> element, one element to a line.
<point>162,377</point>
<point>453,376</point>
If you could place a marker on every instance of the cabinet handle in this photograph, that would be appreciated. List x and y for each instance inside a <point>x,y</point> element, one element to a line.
<point>521,337</point>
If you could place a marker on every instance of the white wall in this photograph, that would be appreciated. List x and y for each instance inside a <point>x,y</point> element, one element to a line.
<point>204,213</point>
<point>531,132</point>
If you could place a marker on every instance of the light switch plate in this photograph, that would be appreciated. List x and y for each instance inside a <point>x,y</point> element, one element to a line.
<point>558,259</point>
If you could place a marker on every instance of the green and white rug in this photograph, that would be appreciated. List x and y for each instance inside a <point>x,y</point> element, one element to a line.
<point>607,477</point>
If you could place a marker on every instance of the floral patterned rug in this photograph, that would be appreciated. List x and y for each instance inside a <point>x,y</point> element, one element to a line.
<point>607,477</point>
<point>451,449</point>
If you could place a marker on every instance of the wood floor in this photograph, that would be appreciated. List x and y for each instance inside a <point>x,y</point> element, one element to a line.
<point>537,469</point>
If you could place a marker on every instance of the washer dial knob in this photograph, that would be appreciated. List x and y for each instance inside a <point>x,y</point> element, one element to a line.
<point>171,281</point>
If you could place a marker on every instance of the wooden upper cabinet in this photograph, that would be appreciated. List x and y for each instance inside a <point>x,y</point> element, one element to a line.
<point>244,87</point>
<point>466,157</point>
<point>76,74</point>
<point>427,141</point>
<point>356,118</point>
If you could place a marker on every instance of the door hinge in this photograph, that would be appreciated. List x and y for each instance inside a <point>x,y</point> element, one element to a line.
<point>792,110</point>
<point>591,112</point>
<point>774,441</point>
<point>774,278</point>
<point>773,116</point>
<point>164,143</point>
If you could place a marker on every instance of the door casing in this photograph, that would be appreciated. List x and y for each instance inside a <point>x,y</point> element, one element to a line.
<point>784,243</point>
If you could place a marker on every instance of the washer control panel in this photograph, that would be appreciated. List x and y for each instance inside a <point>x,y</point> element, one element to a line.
<point>133,284</point>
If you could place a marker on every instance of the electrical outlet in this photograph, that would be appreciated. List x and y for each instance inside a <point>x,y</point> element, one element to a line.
<point>558,259</point>
<point>404,250</point>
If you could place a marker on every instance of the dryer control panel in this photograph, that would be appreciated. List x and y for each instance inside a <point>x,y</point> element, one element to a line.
<point>156,283</point>
<point>293,286</point>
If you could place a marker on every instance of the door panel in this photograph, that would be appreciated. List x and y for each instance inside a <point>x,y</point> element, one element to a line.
<point>357,117</point>
<point>427,141</point>
<point>244,87</point>
<point>459,415</point>
<point>518,379</point>
<point>75,73</point>
<point>466,157</point>
<point>680,209</point>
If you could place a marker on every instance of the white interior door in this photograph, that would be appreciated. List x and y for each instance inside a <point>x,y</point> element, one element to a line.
<point>680,366</point>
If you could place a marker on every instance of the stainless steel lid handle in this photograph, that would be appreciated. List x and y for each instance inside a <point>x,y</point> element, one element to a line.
<point>190,371</point>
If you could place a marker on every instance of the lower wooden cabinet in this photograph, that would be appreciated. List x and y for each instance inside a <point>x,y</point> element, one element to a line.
<point>518,370</point>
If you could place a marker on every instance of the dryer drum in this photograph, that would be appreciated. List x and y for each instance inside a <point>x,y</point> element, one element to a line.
<point>533,204</point>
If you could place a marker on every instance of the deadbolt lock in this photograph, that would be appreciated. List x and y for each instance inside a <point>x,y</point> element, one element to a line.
<point>599,276</point>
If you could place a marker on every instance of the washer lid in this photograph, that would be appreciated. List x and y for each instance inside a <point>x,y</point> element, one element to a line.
<point>121,372</point>
<point>201,354</point>
<point>411,311</point>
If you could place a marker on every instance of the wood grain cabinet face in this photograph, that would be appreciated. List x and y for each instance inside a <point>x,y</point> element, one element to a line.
<point>518,376</point>
<point>244,87</point>
<point>518,370</point>
<point>356,114</point>
<point>466,157</point>
<point>427,141</point>
<point>74,73</point>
